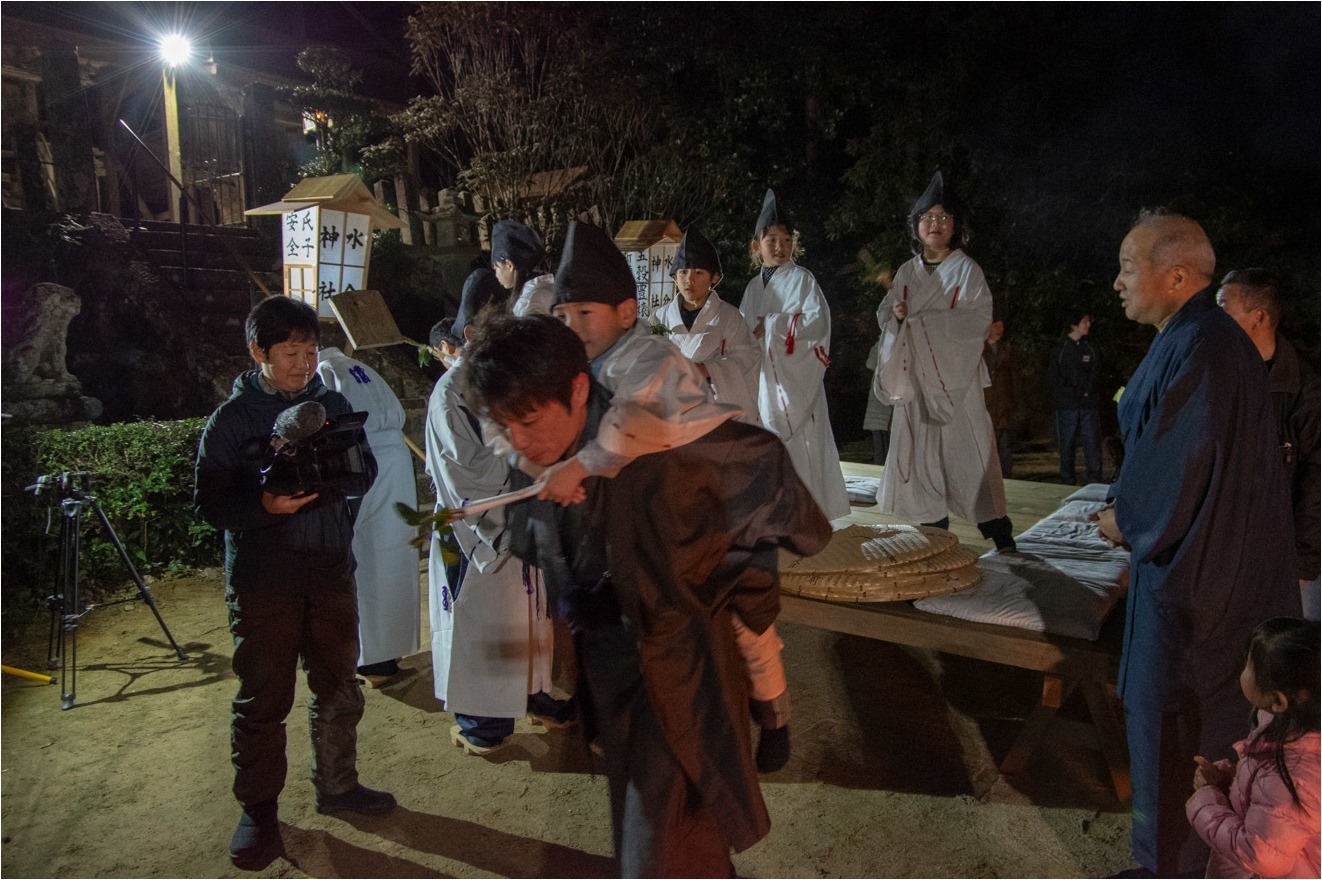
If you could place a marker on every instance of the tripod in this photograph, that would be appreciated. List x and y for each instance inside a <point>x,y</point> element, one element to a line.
<point>66,611</point>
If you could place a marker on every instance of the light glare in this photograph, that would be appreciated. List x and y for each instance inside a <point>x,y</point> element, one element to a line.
<point>175,50</point>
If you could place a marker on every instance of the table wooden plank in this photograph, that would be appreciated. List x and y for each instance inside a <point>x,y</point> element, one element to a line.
<point>1066,663</point>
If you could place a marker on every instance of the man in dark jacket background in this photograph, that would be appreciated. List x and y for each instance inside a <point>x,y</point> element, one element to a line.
<point>289,585</point>
<point>1073,372</point>
<point>1255,299</point>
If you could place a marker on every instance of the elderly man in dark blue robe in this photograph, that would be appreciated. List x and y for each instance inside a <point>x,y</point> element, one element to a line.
<point>1202,502</point>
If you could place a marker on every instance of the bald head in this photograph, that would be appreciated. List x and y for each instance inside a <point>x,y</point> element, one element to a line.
<point>1178,241</point>
<point>1164,260</point>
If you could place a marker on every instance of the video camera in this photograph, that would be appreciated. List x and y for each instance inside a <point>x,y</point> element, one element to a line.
<point>68,484</point>
<point>308,453</point>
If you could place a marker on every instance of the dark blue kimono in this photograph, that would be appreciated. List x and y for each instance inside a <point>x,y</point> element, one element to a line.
<point>1203,503</point>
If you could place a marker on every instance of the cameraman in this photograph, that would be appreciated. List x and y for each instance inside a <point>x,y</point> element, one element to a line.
<point>289,584</point>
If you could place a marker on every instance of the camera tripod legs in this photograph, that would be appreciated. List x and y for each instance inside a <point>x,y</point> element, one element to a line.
<point>65,609</point>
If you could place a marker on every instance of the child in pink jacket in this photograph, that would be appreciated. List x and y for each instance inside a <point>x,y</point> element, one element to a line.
<point>1260,813</point>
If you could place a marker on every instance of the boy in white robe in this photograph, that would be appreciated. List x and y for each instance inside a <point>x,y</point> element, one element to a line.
<point>387,575</point>
<point>934,323</point>
<point>491,631</point>
<point>660,400</point>
<point>791,320</point>
<point>709,331</point>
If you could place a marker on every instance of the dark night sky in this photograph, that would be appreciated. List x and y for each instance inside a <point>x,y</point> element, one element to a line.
<point>1234,84</point>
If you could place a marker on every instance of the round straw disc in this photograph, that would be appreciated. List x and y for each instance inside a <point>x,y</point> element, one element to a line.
<point>868,587</point>
<point>872,548</point>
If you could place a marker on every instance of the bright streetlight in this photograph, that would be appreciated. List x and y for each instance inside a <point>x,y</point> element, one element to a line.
<point>175,49</point>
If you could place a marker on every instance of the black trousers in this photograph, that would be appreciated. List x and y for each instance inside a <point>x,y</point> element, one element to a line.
<point>272,631</point>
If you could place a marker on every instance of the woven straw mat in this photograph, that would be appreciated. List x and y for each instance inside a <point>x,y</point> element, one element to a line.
<point>871,548</point>
<point>857,566</point>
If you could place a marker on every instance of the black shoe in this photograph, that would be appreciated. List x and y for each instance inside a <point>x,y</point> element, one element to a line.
<point>385,668</point>
<point>359,799</point>
<point>773,749</point>
<point>547,711</point>
<point>256,842</point>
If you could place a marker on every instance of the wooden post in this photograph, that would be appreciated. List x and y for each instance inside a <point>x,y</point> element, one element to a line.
<point>69,127</point>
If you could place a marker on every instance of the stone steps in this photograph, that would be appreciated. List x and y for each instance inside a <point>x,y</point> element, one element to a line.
<point>213,287</point>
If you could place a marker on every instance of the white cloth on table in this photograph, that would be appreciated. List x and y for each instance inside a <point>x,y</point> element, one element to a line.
<point>862,490</point>
<point>1064,579</point>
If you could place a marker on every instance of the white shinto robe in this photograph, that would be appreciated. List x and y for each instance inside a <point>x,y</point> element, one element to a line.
<point>721,341</point>
<point>659,401</point>
<point>536,297</point>
<point>943,451</point>
<point>387,575</point>
<point>492,647</point>
<point>796,349</point>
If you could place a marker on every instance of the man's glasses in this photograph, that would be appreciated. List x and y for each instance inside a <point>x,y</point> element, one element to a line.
<point>935,219</point>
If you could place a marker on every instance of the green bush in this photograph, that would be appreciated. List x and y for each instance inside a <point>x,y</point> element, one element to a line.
<point>142,475</point>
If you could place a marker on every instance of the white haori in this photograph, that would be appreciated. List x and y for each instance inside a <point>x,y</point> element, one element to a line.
<point>659,399</point>
<point>796,350</point>
<point>536,297</point>
<point>721,341</point>
<point>942,455</point>
<point>491,647</point>
<point>387,575</point>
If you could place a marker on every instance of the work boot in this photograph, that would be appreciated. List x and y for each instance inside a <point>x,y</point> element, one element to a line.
<point>359,799</point>
<point>256,842</point>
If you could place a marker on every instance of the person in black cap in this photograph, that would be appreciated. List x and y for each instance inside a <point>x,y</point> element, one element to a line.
<point>791,320</point>
<point>660,399</point>
<point>516,250</point>
<point>709,331</point>
<point>647,572</point>
<point>934,323</point>
<point>491,653</point>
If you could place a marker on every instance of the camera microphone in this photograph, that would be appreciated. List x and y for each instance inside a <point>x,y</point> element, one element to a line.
<point>300,422</point>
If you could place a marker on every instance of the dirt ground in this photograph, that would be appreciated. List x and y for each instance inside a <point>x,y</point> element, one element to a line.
<point>893,773</point>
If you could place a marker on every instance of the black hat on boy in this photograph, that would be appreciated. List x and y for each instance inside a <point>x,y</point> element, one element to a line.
<point>521,245</point>
<point>696,252</point>
<point>480,288</point>
<point>771,216</point>
<point>592,269</point>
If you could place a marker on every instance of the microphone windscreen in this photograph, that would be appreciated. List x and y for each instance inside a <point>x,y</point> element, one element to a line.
<point>300,421</point>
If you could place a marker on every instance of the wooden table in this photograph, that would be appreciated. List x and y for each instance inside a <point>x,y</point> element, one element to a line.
<point>1066,664</point>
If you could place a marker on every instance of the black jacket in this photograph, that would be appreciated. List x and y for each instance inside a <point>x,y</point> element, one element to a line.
<point>1295,403</point>
<point>310,548</point>
<point>1073,371</point>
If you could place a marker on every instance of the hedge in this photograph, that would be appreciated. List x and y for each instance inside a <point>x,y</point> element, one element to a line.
<point>142,475</point>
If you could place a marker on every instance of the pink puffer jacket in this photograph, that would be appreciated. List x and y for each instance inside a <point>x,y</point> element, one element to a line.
<point>1258,830</point>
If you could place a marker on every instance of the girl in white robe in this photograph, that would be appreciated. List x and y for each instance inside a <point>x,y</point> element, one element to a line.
<point>516,250</point>
<point>387,574</point>
<point>789,317</point>
<point>933,323</point>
